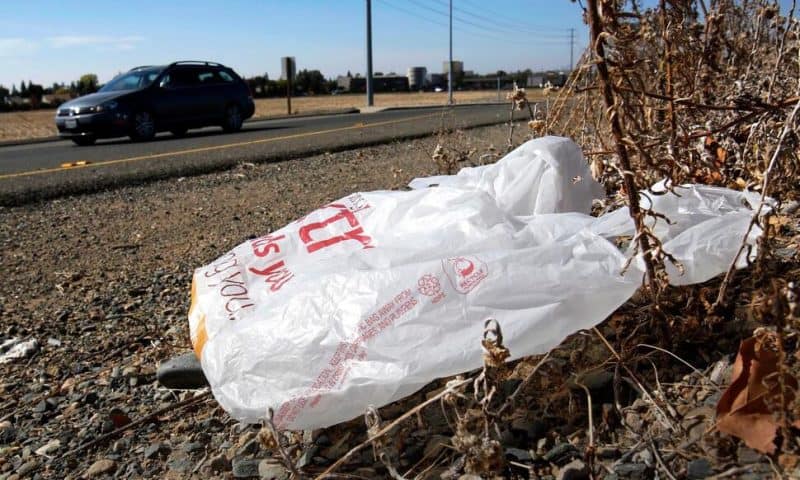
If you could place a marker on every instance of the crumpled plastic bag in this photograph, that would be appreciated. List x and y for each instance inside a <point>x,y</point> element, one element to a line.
<point>369,298</point>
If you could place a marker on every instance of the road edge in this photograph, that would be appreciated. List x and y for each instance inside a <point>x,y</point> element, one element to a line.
<point>320,113</point>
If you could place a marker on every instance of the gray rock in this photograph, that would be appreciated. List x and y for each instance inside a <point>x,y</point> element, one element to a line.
<point>191,447</point>
<point>152,450</point>
<point>574,470</point>
<point>561,453</point>
<point>180,462</point>
<point>533,429</point>
<point>307,456</point>
<point>251,447</point>
<point>220,463</point>
<point>27,468</point>
<point>182,372</point>
<point>790,207</point>
<point>7,432</point>
<point>699,469</point>
<point>747,455</point>
<point>270,470</point>
<point>41,407</point>
<point>519,454</point>
<point>101,467</point>
<point>633,471</point>
<point>608,453</point>
<point>245,467</point>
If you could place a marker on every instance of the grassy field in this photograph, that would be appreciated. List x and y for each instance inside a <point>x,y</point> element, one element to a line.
<point>39,123</point>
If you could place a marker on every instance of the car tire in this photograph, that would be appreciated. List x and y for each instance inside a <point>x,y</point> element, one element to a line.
<point>144,127</point>
<point>179,132</point>
<point>233,119</point>
<point>84,141</point>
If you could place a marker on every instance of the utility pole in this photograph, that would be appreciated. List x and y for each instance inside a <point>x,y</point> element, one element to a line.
<point>370,100</point>
<point>450,62</point>
<point>571,47</point>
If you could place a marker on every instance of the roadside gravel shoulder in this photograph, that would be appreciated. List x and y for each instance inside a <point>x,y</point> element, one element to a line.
<point>102,282</point>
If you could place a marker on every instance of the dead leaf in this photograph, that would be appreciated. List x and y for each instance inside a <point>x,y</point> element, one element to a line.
<point>743,411</point>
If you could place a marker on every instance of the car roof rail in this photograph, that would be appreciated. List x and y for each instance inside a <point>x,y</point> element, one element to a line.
<point>197,62</point>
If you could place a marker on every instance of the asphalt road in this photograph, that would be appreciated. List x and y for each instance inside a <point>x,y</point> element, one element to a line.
<point>45,170</point>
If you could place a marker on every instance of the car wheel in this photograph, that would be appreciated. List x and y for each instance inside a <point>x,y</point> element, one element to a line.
<point>144,127</point>
<point>84,141</point>
<point>233,119</point>
<point>179,132</point>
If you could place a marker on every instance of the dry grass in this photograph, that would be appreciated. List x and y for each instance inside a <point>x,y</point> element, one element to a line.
<point>39,123</point>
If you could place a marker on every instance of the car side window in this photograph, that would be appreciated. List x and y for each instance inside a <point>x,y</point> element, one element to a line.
<point>179,77</point>
<point>205,77</point>
<point>226,77</point>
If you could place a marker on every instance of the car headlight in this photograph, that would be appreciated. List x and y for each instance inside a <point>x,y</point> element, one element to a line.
<point>104,107</point>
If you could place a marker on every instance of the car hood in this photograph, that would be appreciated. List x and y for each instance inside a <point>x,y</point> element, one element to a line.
<point>93,99</point>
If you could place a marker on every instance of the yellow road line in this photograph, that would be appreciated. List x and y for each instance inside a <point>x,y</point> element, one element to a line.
<point>78,165</point>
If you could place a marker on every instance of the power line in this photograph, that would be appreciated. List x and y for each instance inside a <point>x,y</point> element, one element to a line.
<point>471,23</point>
<point>477,34</point>
<point>510,20</point>
<point>510,27</point>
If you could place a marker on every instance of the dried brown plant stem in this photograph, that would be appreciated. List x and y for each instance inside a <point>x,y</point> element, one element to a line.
<point>287,462</point>
<point>673,125</point>
<point>787,127</point>
<point>635,379</point>
<point>631,192</point>
<point>789,19</point>
<point>168,409</point>
<point>451,387</point>
<point>660,461</point>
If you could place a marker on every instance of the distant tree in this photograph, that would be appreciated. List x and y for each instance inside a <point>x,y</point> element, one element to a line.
<point>87,84</point>
<point>3,94</point>
<point>23,89</point>
<point>310,81</point>
<point>331,84</point>
<point>35,93</point>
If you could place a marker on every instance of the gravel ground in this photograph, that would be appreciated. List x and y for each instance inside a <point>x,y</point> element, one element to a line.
<point>101,283</point>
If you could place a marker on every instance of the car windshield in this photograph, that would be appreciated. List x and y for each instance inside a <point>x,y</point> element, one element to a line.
<point>132,80</point>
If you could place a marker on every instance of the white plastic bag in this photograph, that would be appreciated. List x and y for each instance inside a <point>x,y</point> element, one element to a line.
<point>367,299</point>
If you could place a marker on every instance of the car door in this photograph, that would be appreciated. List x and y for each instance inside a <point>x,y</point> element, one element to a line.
<point>210,94</point>
<point>176,100</point>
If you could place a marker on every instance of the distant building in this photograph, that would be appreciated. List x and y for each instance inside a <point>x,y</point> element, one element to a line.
<point>437,80</point>
<point>547,79</point>
<point>458,67</point>
<point>56,99</point>
<point>486,83</point>
<point>382,83</point>
<point>17,101</point>
<point>535,80</point>
<point>416,78</point>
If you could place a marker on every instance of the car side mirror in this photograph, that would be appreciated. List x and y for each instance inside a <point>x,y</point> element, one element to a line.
<point>164,83</point>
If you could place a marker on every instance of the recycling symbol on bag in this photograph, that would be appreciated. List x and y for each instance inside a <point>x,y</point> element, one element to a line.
<point>465,273</point>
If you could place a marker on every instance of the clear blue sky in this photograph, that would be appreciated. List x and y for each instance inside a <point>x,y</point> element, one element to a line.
<point>53,40</point>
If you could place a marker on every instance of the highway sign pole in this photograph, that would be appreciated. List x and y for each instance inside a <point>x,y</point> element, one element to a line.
<point>450,62</point>
<point>288,70</point>
<point>289,95</point>
<point>370,99</point>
